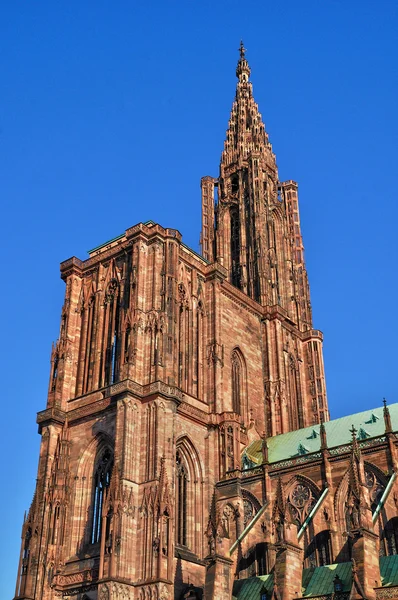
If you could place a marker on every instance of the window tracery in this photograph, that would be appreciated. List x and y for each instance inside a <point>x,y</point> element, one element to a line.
<point>102,478</point>
<point>235,248</point>
<point>301,500</point>
<point>375,487</point>
<point>181,500</point>
<point>236,383</point>
<point>248,511</point>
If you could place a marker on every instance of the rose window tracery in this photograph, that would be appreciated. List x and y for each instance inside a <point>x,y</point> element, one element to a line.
<point>375,487</point>
<point>300,501</point>
<point>248,511</point>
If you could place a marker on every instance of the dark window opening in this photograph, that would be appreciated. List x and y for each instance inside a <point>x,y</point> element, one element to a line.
<point>236,384</point>
<point>181,529</point>
<point>235,248</point>
<point>234,184</point>
<point>389,539</point>
<point>317,552</point>
<point>102,480</point>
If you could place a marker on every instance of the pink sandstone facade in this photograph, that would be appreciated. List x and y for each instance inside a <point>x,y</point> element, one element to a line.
<point>173,375</point>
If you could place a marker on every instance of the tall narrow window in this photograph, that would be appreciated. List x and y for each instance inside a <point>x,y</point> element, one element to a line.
<point>111,332</point>
<point>317,549</point>
<point>102,478</point>
<point>235,248</point>
<point>234,184</point>
<point>389,538</point>
<point>181,501</point>
<point>236,383</point>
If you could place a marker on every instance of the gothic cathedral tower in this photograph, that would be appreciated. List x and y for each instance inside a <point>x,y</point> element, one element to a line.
<point>167,365</point>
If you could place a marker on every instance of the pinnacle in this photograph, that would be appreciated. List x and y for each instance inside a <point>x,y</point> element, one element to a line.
<point>243,69</point>
<point>246,131</point>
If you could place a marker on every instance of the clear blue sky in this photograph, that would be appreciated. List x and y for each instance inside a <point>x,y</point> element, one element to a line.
<point>110,112</point>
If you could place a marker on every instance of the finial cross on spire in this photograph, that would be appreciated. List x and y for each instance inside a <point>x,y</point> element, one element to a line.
<point>242,50</point>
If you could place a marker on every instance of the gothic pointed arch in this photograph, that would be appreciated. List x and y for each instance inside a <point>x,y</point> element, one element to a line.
<point>101,481</point>
<point>302,494</point>
<point>184,285</point>
<point>347,499</point>
<point>189,496</point>
<point>92,479</point>
<point>251,506</point>
<point>112,273</point>
<point>239,384</point>
<point>386,524</point>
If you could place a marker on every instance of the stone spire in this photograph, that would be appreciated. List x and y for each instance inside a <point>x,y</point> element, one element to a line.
<point>252,230</point>
<point>246,131</point>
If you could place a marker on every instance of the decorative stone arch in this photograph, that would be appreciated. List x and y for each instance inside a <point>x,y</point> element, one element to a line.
<point>280,251</point>
<point>385,525</point>
<point>184,330</point>
<point>185,445</point>
<point>301,496</point>
<point>239,393</point>
<point>189,497</point>
<point>295,404</point>
<point>251,506</point>
<point>340,499</point>
<point>83,492</point>
<point>340,503</point>
<point>303,479</point>
<point>94,448</point>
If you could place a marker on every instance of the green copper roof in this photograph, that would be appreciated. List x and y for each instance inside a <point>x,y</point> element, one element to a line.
<point>389,570</point>
<point>369,424</point>
<point>320,580</point>
<point>253,587</point>
<point>317,581</point>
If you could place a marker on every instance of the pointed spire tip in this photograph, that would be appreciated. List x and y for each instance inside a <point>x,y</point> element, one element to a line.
<point>242,50</point>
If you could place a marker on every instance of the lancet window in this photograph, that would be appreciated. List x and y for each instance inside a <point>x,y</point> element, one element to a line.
<point>181,500</point>
<point>188,498</point>
<point>236,383</point>
<point>389,538</point>
<point>111,332</point>
<point>235,248</point>
<point>102,478</point>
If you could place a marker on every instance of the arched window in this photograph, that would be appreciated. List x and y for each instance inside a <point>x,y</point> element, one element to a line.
<point>236,383</point>
<point>102,478</point>
<point>189,498</point>
<point>254,562</point>
<point>234,184</point>
<point>235,248</point>
<point>111,319</point>
<point>181,500</point>
<point>317,553</point>
<point>389,538</point>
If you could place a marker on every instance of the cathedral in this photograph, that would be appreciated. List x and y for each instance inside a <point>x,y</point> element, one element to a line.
<point>186,447</point>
